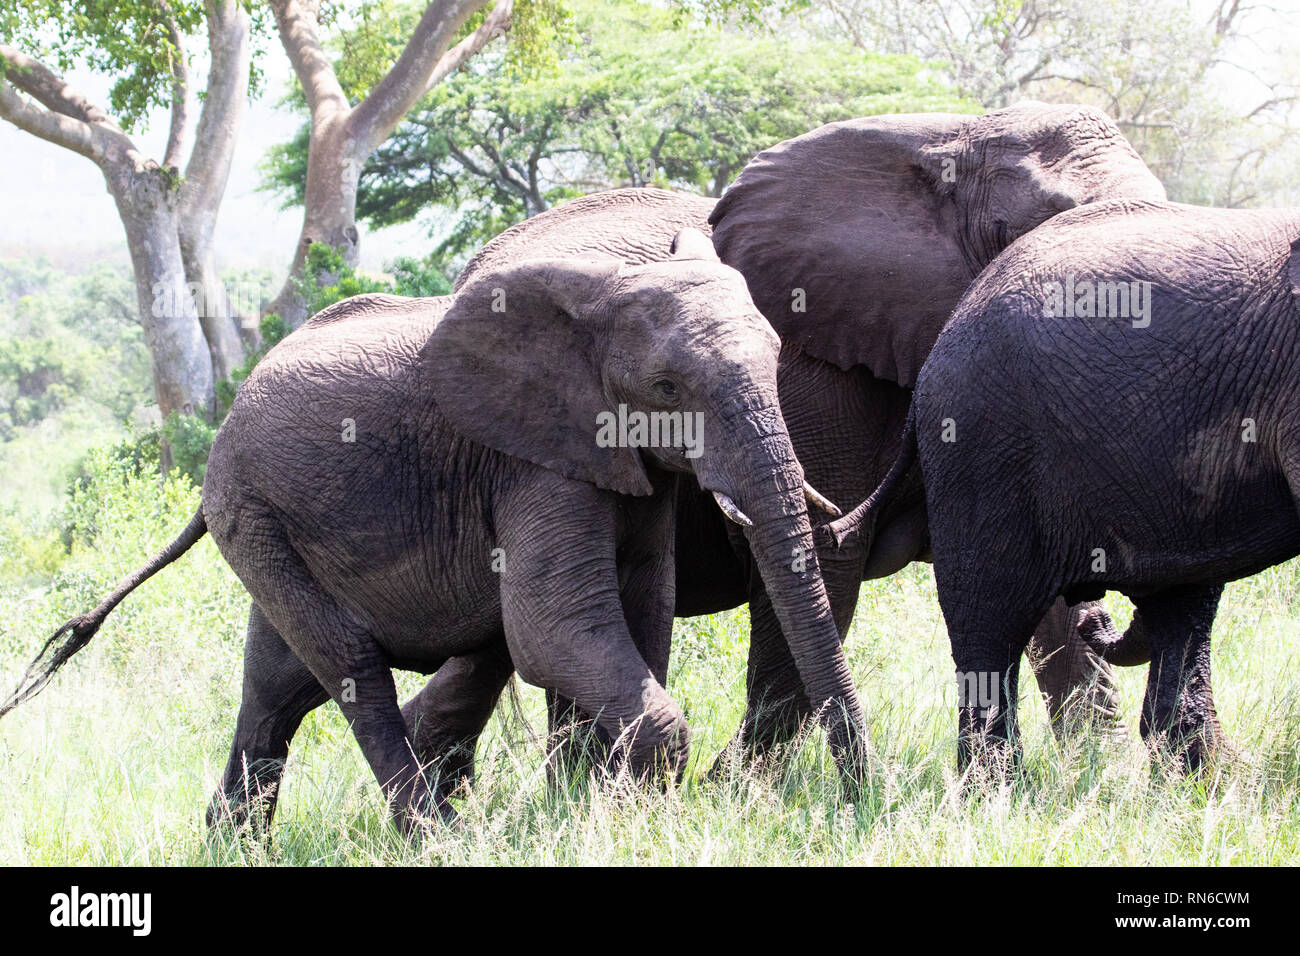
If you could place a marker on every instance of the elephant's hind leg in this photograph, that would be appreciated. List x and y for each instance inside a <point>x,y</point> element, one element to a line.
<point>279,691</point>
<point>991,613</point>
<point>445,719</point>
<point>1178,714</point>
<point>339,648</point>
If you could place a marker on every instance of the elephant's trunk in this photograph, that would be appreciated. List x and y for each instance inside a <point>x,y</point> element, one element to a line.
<point>766,481</point>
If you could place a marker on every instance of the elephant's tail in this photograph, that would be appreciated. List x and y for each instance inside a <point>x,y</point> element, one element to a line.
<point>862,519</point>
<point>76,633</point>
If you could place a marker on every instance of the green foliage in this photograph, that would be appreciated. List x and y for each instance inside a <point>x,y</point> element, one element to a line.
<point>189,438</point>
<point>135,456</point>
<point>126,39</point>
<point>73,367</point>
<point>635,99</point>
<point>328,279</point>
<point>64,340</point>
<point>39,376</point>
<point>378,32</point>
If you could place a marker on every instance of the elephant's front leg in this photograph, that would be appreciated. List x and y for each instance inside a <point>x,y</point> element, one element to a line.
<point>567,627</point>
<point>646,582</point>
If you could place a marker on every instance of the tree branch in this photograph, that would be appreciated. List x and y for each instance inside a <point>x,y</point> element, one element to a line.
<point>297,21</point>
<point>180,113</point>
<point>69,119</point>
<point>223,109</point>
<point>416,70</point>
<point>496,25</point>
<point>48,88</point>
<point>53,127</point>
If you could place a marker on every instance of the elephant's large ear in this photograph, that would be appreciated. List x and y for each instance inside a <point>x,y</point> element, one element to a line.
<point>515,365</point>
<point>847,239</point>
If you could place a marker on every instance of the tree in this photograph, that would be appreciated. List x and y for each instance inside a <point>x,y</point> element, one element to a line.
<point>168,217</point>
<point>343,135</point>
<point>635,97</point>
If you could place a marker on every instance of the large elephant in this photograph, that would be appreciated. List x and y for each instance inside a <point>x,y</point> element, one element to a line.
<point>856,241</point>
<point>1150,349</point>
<point>404,480</point>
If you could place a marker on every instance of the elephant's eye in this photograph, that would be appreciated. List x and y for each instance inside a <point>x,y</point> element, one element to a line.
<point>666,390</point>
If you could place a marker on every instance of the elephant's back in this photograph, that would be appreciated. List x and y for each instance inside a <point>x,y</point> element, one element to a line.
<point>370,336</point>
<point>1140,301</point>
<point>1229,261</point>
<point>350,375</point>
<point>1170,244</point>
<point>634,225</point>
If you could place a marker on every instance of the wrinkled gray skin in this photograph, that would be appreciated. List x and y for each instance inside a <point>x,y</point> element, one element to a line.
<point>406,480</point>
<point>879,226</point>
<point>1178,439</point>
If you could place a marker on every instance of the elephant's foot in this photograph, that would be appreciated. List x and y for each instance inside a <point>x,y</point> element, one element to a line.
<point>246,804</point>
<point>1191,747</point>
<point>576,746</point>
<point>417,808</point>
<point>986,760</point>
<point>765,730</point>
<point>653,749</point>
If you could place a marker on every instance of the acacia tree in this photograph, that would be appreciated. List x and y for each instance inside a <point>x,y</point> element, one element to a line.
<point>343,134</point>
<point>168,216</point>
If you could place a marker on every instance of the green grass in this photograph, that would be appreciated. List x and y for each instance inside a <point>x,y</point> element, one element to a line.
<point>115,762</point>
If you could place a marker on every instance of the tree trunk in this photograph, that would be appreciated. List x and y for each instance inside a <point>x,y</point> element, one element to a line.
<point>343,136</point>
<point>182,364</point>
<point>168,219</point>
<point>329,216</point>
<point>230,332</point>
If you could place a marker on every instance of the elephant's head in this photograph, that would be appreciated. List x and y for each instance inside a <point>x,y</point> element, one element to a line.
<point>1013,169</point>
<point>602,372</point>
<point>859,238</point>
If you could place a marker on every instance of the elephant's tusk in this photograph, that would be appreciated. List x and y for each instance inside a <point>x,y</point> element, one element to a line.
<point>731,511</point>
<point>820,500</point>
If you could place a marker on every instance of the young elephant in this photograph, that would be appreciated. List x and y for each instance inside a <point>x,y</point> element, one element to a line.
<point>1114,406</point>
<point>404,480</point>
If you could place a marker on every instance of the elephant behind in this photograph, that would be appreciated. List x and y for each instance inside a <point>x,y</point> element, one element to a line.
<point>1151,348</point>
<point>856,241</point>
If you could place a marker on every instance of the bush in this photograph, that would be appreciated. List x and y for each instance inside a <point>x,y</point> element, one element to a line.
<point>330,279</point>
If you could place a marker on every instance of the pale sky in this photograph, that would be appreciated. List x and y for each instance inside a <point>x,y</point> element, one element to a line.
<point>56,204</point>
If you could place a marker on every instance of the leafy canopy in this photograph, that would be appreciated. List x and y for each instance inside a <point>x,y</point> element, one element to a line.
<point>131,40</point>
<point>638,95</point>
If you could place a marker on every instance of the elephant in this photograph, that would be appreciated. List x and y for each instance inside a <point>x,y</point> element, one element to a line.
<point>405,480</point>
<point>1149,347</point>
<point>856,241</point>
